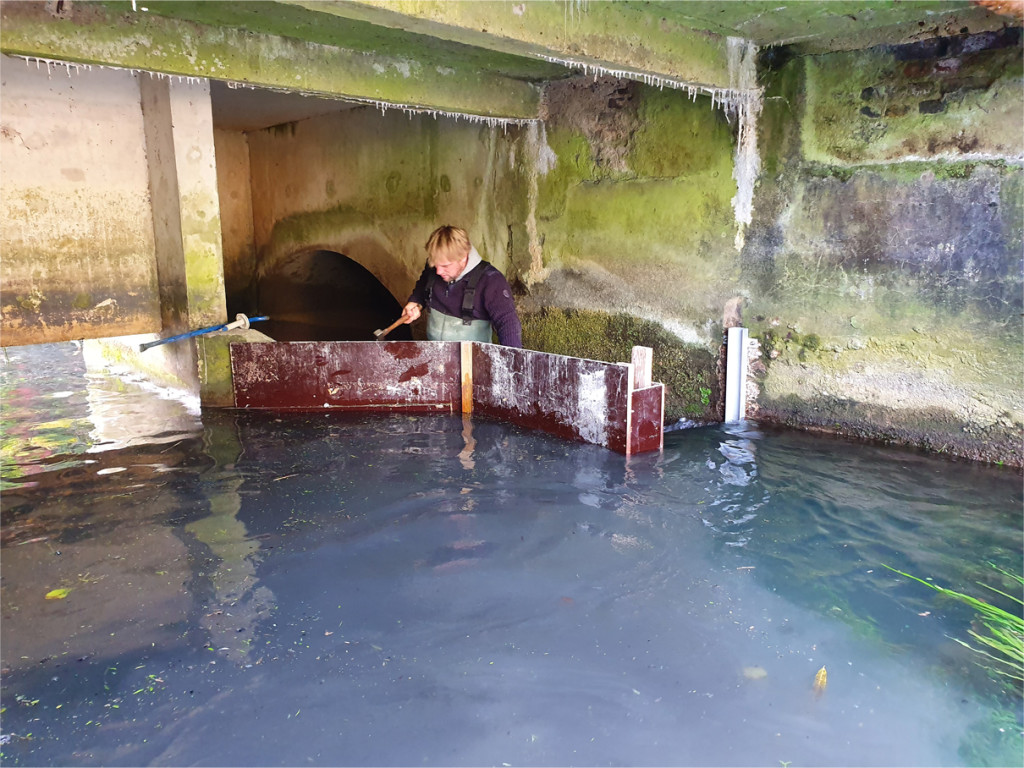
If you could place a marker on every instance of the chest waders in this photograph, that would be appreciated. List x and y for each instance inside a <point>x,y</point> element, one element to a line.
<point>442,327</point>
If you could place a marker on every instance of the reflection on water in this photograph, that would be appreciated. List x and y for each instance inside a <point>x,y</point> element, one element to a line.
<point>57,408</point>
<point>394,590</point>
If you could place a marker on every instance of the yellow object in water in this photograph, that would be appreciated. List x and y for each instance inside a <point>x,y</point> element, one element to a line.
<point>755,673</point>
<point>820,681</point>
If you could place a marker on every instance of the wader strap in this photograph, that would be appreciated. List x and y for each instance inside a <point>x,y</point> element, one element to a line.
<point>429,288</point>
<point>468,297</point>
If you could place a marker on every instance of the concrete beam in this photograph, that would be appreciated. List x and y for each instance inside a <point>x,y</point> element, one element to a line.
<point>672,41</point>
<point>115,35</point>
<point>614,36</point>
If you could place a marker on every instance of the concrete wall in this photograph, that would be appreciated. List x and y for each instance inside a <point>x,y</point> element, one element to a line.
<point>616,212</point>
<point>239,241</point>
<point>883,292</point>
<point>881,271</point>
<point>111,222</point>
<point>373,187</point>
<point>198,201</point>
<point>630,212</point>
<point>76,222</point>
<point>884,270</point>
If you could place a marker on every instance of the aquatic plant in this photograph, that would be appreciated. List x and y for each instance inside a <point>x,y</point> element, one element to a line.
<point>1005,630</point>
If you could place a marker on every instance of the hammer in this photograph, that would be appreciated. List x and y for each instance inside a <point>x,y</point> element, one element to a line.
<point>379,334</point>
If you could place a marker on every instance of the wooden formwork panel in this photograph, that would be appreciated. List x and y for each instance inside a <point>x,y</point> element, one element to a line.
<point>568,397</point>
<point>647,419</point>
<point>357,375</point>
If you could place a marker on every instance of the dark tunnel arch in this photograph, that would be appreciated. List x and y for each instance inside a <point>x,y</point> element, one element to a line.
<point>322,295</point>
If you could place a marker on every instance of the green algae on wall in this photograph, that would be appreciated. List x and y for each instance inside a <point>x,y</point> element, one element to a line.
<point>892,310</point>
<point>95,33</point>
<point>678,224</point>
<point>949,98</point>
<point>689,372</point>
<point>635,212</point>
<point>214,362</point>
<point>374,186</point>
<point>884,270</point>
<point>941,382</point>
<point>639,171</point>
<point>679,137</point>
<point>574,164</point>
<point>611,33</point>
<point>203,260</point>
<point>636,220</point>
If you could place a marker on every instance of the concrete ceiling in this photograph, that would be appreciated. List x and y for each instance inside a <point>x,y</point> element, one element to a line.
<point>250,109</point>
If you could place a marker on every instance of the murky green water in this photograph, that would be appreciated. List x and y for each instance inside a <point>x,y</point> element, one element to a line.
<point>251,588</point>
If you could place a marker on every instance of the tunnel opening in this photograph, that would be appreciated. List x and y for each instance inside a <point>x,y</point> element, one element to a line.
<point>325,296</point>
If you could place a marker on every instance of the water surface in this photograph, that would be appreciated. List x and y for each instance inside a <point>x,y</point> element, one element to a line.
<point>252,588</point>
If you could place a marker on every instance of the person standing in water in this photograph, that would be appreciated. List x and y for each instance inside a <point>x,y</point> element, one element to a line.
<point>470,299</point>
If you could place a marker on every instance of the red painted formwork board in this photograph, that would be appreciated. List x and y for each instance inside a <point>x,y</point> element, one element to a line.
<point>647,419</point>
<point>569,397</point>
<point>356,375</point>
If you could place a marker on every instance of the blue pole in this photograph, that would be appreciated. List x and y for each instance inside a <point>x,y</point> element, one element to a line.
<point>241,321</point>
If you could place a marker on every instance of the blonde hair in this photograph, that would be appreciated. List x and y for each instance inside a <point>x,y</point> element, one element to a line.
<point>447,244</point>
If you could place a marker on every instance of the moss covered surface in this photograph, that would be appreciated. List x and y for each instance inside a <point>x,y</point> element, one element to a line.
<point>216,388</point>
<point>637,204</point>
<point>619,34</point>
<point>945,99</point>
<point>313,24</point>
<point>636,223</point>
<point>689,372</point>
<point>112,34</point>
<point>883,272</point>
<point>574,165</point>
<point>204,260</point>
<point>950,387</point>
<point>937,430</point>
<point>679,137</point>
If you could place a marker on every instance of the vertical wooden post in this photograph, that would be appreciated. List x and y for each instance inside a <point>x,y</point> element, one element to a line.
<point>643,367</point>
<point>466,348</point>
<point>630,387</point>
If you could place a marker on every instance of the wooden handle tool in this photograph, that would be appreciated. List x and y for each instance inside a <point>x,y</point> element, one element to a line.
<point>379,334</point>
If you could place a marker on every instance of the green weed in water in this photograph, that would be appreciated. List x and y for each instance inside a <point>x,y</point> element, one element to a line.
<point>1004,630</point>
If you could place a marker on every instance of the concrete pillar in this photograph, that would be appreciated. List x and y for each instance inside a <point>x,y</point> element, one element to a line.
<point>178,121</point>
<point>183,182</point>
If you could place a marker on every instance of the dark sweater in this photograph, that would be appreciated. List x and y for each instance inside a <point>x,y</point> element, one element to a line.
<point>493,301</point>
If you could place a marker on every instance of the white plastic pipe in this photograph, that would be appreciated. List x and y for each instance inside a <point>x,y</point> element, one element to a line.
<point>736,375</point>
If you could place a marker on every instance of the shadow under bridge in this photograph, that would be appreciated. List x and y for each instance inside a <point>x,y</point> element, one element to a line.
<point>323,295</point>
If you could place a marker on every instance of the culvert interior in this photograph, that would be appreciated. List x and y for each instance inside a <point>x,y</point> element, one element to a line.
<point>325,296</point>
